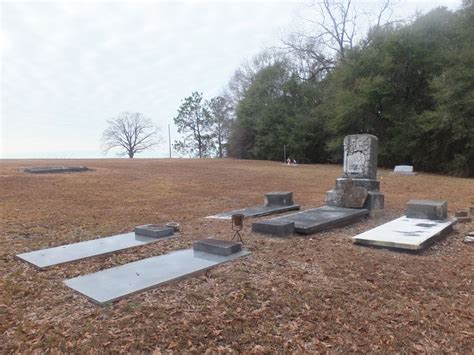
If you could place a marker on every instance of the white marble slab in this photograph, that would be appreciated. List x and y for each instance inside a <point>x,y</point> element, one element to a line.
<point>46,258</point>
<point>406,233</point>
<point>112,284</point>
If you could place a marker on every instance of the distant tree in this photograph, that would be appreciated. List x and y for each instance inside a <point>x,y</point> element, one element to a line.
<point>131,133</point>
<point>194,122</point>
<point>333,31</point>
<point>277,110</point>
<point>219,111</point>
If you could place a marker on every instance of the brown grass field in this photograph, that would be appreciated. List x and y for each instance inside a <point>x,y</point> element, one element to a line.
<point>316,293</point>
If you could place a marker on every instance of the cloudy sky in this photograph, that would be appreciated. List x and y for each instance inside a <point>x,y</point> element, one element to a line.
<point>67,67</point>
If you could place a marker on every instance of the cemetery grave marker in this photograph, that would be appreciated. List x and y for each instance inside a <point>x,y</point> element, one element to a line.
<point>108,285</point>
<point>275,202</point>
<point>45,258</point>
<point>55,169</point>
<point>425,222</point>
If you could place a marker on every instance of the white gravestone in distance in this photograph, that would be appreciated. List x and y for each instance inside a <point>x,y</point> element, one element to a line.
<point>403,170</point>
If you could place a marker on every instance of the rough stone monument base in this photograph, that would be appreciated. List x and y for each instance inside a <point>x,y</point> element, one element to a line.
<point>375,201</point>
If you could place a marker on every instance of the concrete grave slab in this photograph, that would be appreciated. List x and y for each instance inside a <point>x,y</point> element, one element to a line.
<point>274,227</point>
<point>154,230</point>
<point>112,284</point>
<point>279,198</point>
<point>406,233</point>
<point>55,169</point>
<point>217,246</point>
<point>322,218</point>
<point>403,170</point>
<point>274,202</point>
<point>46,258</point>
<point>429,209</point>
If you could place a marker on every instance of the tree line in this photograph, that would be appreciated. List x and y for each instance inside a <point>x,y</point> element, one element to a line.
<point>410,83</point>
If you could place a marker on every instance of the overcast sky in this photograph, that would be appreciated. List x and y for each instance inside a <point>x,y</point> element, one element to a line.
<point>67,67</point>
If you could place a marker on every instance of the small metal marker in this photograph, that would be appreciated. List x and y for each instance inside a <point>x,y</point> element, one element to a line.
<point>237,226</point>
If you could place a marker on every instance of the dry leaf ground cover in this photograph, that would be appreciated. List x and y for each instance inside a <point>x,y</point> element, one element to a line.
<point>304,294</point>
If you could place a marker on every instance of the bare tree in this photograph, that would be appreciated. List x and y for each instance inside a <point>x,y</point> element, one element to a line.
<point>333,31</point>
<point>132,133</point>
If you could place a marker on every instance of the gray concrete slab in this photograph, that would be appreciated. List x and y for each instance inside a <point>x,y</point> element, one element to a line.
<point>273,227</point>
<point>406,233</point>
<point>429,209</point>
<point>154,230</point>
<point>217,246</point>
<point>46,258</point>
<point>55,169</point>
<point>322,218</point>
<point>112,284</point>
<point>257,211</point>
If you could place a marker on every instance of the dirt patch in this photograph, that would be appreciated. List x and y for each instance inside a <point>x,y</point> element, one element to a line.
<point>304,293</point>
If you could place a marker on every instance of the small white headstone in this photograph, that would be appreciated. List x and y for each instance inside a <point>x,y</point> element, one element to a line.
<point>403,170</point>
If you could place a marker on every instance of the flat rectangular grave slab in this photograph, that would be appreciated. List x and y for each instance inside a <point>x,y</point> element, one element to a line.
<point>256,211</point>
<point>217,246</point>
<point>46,258</point>
<point>154,231</point>
<point>112,284</point>
<point>322,218</point>
<point>406,233</point>
<point>55,169</point>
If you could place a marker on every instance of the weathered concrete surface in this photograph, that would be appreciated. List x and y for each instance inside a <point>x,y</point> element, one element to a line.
<point>217,246</point>
<point>112,284</point>
<point>347,195</point>
<point>360,156</point>
<point>154,230</point>
<point>369,184</point>
<point>429,209</point>
<point>375,201</point>
<point>279,198</point>
<point>322,218</point>
<point>55,169</point>
<point>256,211</point>
<point>406,233</point>
<point>46,258</point>
<point>274,227</point>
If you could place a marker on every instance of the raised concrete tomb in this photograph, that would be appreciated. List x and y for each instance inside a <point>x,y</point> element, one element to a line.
<point>316,219</point>
<point>274,202</point>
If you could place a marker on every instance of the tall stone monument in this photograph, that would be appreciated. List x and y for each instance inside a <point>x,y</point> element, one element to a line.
<point>359,175</point>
